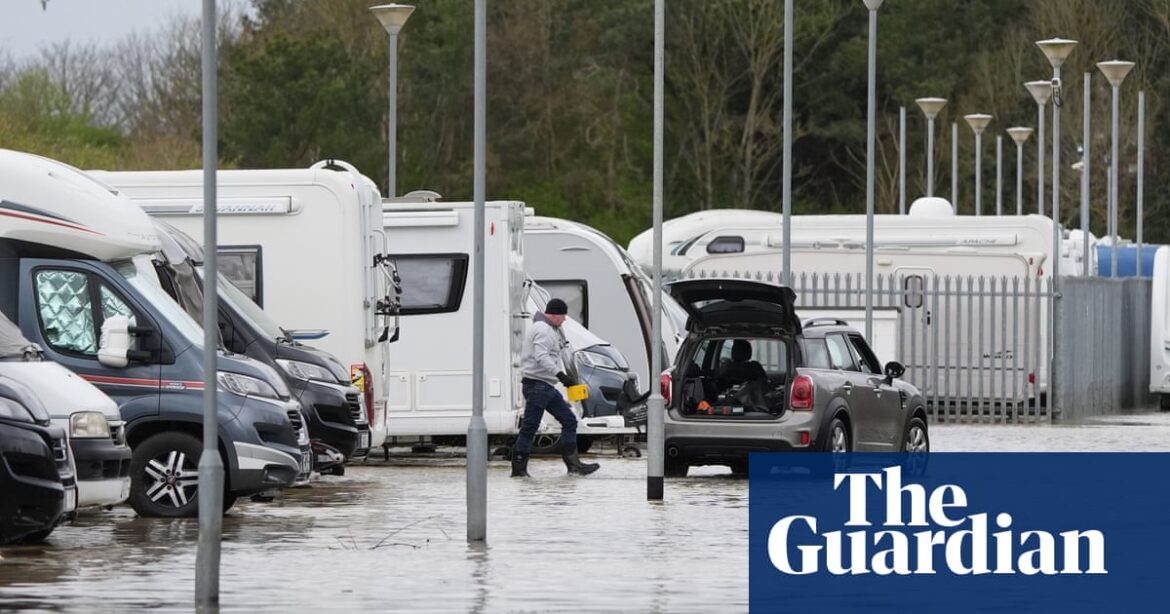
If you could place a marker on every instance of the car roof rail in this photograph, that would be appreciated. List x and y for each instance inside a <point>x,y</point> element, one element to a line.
<point>824,322</point>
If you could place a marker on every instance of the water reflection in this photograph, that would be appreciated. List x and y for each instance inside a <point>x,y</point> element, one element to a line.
<point>393,536</point>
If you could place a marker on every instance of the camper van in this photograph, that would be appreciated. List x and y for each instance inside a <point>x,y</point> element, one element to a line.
<point>334,408</point>
<point>74,260</point>
<point>91,421</point>
<point>1160,328</point>
<point>605,290</point>
<point>280,228</point>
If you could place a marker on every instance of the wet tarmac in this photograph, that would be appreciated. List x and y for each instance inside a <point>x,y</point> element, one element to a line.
<point>391,536</point>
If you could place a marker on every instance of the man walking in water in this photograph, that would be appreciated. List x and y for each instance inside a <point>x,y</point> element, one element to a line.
<point>542,366</point>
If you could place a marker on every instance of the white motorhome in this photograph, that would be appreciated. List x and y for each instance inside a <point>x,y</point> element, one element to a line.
<point>1160,328</point>
<point>306,244</point>
<point>604,288</point>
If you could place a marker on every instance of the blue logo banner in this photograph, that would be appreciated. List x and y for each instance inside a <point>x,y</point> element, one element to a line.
<point>992,532</point>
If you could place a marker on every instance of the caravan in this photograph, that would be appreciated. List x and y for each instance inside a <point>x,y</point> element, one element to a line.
<point>74,260</point>
<point>605,290</point>
<point>280,228</point>
<point>1160,328</point>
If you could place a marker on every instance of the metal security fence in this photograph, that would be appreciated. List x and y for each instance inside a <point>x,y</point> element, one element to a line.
<point>977,346</point>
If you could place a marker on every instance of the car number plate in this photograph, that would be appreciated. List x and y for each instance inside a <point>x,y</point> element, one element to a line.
<point>363,441</point>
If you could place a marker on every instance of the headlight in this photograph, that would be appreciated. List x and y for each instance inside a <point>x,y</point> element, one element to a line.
<point>594,359</point>
<point>303,432</point>
<point>15,411</point>
<point>88,424</point>
<point>246,386</point>
<point>306,370</point>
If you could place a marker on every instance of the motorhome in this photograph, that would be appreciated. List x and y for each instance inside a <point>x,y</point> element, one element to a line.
<point>605,289</point>
<point>91,421</point>
<point>334,408</point>
<point>280,228</point>
<point>1160,328</point>
<point>74,263</point>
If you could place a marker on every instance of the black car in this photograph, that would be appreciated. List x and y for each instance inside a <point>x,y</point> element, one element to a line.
<point>36,477</point>
<point>751,377</point>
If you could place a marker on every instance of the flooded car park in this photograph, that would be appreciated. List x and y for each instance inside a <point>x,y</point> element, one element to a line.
<point>392,535</point>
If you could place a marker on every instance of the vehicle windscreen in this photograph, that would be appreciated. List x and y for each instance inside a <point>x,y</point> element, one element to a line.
<point>165,307</point>
<point>247,308</point>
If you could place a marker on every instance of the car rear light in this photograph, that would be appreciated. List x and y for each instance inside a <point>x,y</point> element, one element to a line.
<point>359,374</point>
<point>666,384</point>
<point>802,393</point>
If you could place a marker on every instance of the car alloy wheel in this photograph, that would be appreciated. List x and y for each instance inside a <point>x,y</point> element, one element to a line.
<point>172,479</point>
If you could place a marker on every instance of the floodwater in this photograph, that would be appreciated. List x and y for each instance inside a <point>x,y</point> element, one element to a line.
<point>391,536</point>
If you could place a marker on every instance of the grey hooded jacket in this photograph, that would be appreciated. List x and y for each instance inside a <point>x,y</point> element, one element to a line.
<point>544,349</point>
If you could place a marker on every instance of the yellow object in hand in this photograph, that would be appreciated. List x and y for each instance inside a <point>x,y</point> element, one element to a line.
<point>579,392</point>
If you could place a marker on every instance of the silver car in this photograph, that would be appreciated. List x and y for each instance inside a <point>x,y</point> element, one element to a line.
<point>750,377</point>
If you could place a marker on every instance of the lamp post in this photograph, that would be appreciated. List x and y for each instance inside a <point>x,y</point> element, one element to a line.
<point>656,406</point>
<point>1057,51</point>
<point>786,188</point>
<point>872,6</point>
<point>477,439</point>
<point>1041,92</point>
<point>955,165</point>
<point>1115,71</point>
<point>1086,167</point>
<point>999,174</point>
<point>1141,174</point>
<point>392,17</point>
<point>1020,135</point>
<point>902,160</point>
<point>930,108</point>
<point>978,123</point>
<point>207,553</point>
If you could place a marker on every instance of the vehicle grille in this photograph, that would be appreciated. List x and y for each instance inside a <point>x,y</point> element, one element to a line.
<point>356,411</point>
<point>298,423</point>
<point>61,458</point>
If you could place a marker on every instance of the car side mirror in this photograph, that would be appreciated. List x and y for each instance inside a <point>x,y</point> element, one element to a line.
<point>894,370</point>
<point>115,342</point>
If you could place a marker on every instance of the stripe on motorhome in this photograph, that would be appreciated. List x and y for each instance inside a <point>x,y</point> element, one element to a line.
<point>144,383</point>
<point>40,219</point>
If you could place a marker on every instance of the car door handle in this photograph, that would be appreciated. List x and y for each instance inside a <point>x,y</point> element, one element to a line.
<point>848,388</point>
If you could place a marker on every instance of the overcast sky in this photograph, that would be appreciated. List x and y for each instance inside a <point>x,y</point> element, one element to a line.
<point>25,26</point>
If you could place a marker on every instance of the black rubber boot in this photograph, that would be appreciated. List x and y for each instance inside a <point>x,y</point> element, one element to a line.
<point>574,464</point>
<point>520,466</point>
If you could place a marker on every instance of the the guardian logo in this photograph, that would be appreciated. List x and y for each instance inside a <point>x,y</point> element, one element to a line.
<point>923,533</point>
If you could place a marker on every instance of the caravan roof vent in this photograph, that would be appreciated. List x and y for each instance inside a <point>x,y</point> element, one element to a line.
<point>426,196</point>
<point>931,207</point>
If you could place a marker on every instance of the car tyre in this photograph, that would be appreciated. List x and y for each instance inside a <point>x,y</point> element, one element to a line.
<point>164,477</point>
<point>675,468</point>
<point>916,445</point>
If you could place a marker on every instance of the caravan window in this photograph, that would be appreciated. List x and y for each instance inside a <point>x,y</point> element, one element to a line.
<point>726,245</point>
<point>575,293</point>
<point>431,283</point>
<point>914,291</point>
<point>242,265</point>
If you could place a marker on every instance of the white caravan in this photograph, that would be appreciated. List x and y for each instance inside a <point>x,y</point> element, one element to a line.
<point>306,244</point>
<point>604,288</point>
<point>931,224</point>
<point>1160,328</point>
<point>431,368</point>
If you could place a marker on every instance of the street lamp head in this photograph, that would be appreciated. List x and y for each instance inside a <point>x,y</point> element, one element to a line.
<point>1020,134</point>
<point>931,106</point>
<point>1056,50</point>
<point>1115,71</point>
<point>873,5</point>
<point>392,16</point>
<point>1041,91</point>
<point>978,121</point>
